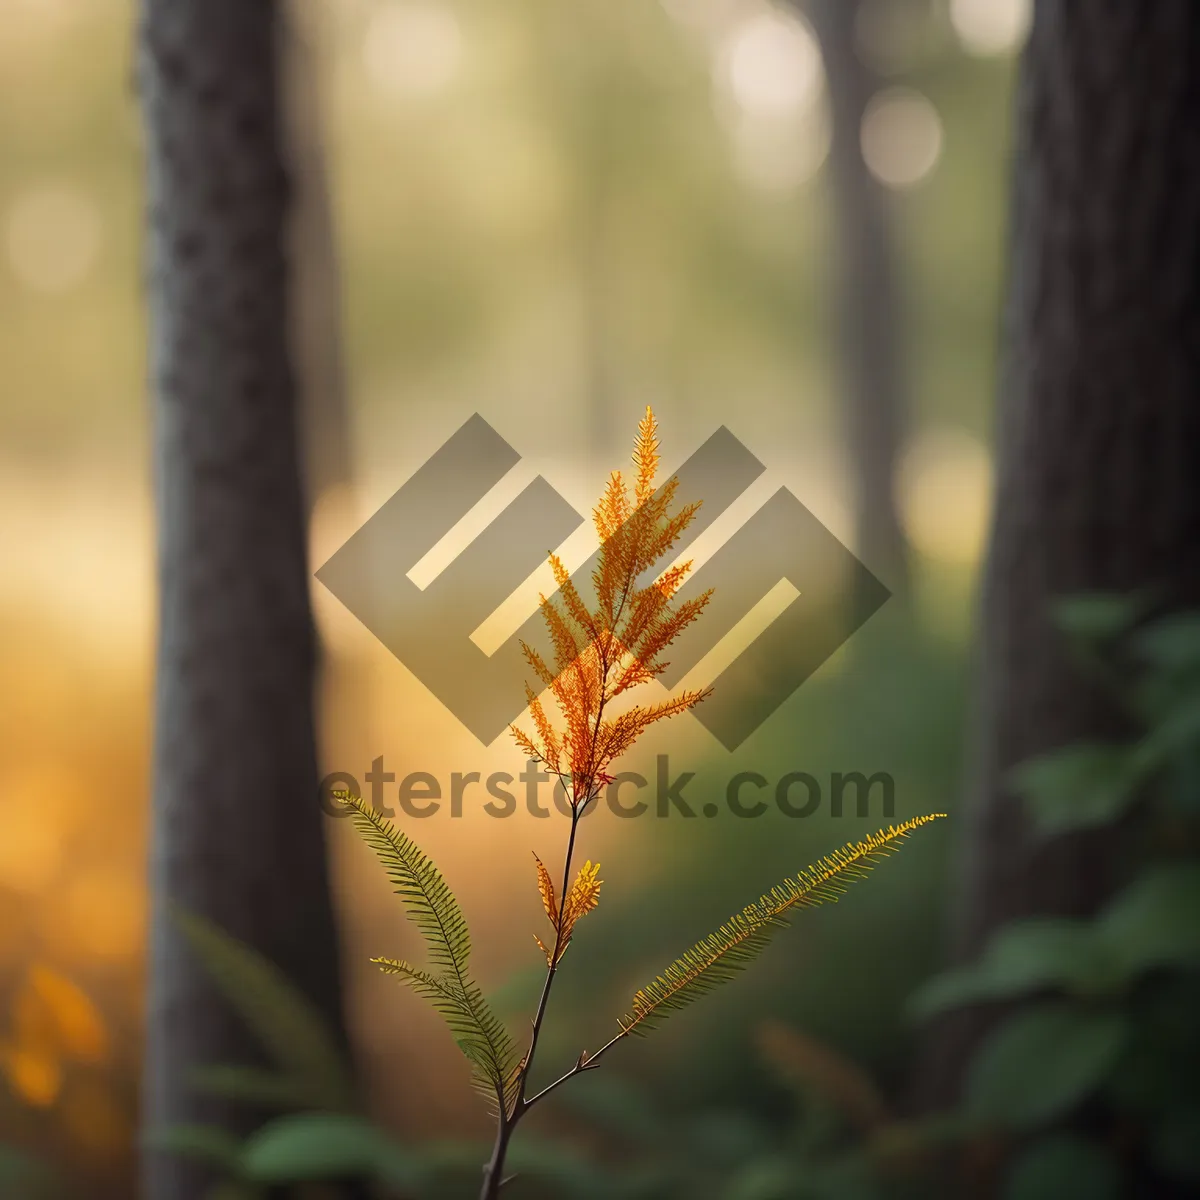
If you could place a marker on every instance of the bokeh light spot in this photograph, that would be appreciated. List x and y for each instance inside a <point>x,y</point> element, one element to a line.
<point>773,65</point>
<point>52,236</point>
<point>34,1075</point>
<point>901,137</point>
<point>987,27</point>
<point>78,1026</point>
<point>945,494</point>
<point>770,94</point>
<point>413,50</point>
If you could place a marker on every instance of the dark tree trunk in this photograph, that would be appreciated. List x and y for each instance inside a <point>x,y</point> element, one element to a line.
<point>1099,429</point>
<point>237,831</point>
<point>874,403</point>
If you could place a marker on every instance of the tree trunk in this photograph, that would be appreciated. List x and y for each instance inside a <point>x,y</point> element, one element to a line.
<point>237,833</point>
<point>1099,430</point>
<point>871,371</point>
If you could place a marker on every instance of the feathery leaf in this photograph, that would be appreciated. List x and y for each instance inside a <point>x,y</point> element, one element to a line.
<point>478,1032</point>
<point>546,888</point>
<point>283,1019</point>
<point>645,456</point>
<point>717,958</point>
<point>434,910</point>
<point>428,900</point>
<point>582,898</point>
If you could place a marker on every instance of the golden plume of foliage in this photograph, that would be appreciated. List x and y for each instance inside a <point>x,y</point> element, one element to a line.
<point>602,650</point>
<point>582,897</point>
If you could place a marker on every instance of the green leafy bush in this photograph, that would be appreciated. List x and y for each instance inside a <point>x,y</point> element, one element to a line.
<point>1098,1067</point>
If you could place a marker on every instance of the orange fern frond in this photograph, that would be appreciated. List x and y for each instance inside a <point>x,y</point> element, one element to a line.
<point>645,457</point>
<point>670,623</point>
<point>647,606</point>
<point>550,746</point>
<point>526,743</point>
<point>566,643</point>
<point>613,510</point>
<point>571,598</point>
<point>672,579</point>
<point>535,660</point>
<point>635,674</point>
<point>669,530</point>
<point>599,653</point>
<point>617,735</point>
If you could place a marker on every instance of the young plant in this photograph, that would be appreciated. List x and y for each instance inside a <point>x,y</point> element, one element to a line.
<point>601,650</point>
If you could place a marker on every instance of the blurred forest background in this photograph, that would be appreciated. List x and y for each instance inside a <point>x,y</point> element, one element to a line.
<point>553,215</point>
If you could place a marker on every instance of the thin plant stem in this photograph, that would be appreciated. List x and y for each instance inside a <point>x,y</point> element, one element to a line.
<point>507,1121</point>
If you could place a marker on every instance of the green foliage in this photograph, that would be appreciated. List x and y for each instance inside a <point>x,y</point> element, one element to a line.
<point>326,1144</point>
<point>322,1146</point>
<point>1042,1062</point>
<point>312,1073</point>
<point>296,1148</point>
<point>1153,923</point>
<point>23,1177</point>
<point>799,1146</point>
<point>479,1034</point>
<point>1176,1144</point>
<point>234,1189</point>
<point>1096,619</point>
<point>436,913</point>
<point>1052,1168</point>
<point>203,1143</point>
<point>1171,646</point>
<point>251,1086</point>
<point>313,1070</point>
<point>428,900</point>
<point>1080,787</point>
<point>1023,957</point>
<point>1109,1023</point>
<point>1089,785</point>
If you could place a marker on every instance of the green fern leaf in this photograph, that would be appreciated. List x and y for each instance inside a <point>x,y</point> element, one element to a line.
<point>428,900</point>
<point>283,1019</point>
<point>720,956</point>
<point>434,910</point>
<point>479,1033</point>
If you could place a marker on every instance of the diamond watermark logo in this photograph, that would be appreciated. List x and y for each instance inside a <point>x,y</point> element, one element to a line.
<point>781,575</point>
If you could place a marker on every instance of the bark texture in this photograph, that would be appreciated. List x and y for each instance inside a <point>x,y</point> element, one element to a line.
<point>1099,430</point>
<point>237,833</point>
<point>872,374</point>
